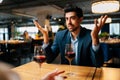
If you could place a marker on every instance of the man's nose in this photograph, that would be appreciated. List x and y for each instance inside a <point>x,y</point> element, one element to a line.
<point>69,21</point>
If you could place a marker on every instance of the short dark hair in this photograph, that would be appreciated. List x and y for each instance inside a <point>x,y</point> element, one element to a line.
<point>73,8</point>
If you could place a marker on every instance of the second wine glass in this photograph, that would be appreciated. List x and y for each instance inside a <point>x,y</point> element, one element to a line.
<point>39,57</point>
<point>69,55</point>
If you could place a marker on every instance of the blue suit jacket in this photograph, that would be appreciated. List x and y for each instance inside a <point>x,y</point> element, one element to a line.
<point>86,55</point>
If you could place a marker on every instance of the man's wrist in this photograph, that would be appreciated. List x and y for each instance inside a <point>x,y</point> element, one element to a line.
<point>96,47</point>
<point>95,42</point>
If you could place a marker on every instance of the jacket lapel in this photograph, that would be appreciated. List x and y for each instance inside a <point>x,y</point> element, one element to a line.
<point>80,46</point>
<point>65,40</point>
<point>80,43</point>
<point>68,39</point>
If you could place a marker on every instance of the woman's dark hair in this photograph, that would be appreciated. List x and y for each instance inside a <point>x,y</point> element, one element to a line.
<point>73,8</point>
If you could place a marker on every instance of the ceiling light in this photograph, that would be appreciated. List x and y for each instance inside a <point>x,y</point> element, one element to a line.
<point>105,6</point>
<point>59,19</point>
<point>1,1</point>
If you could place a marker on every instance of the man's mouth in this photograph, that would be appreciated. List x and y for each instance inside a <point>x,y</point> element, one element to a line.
<point>70,26</point>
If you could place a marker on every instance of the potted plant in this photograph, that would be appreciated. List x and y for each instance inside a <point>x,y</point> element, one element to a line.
<point>104,36</point>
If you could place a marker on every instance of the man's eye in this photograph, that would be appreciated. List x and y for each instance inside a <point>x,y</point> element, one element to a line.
<point>73,17</point>
<point>66,18</point>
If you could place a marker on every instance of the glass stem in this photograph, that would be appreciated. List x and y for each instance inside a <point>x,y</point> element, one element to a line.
<point>70,65</point>
<point>40,70</point>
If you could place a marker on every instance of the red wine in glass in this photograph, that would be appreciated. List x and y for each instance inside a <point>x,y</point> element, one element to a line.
<point>39,59</point>
<point>70,55</point>
<point>39,56</point>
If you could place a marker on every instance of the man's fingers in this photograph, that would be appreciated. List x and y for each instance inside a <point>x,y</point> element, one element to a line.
<point>59,72</point>
<point>96,22</point>
<point>96,25</point>
<point>99,24</point>
<point>104,19</point>
<point>56,72</point>
<point>38,25</point>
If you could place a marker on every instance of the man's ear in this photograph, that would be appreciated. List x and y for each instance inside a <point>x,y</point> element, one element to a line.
<point>81,19</point>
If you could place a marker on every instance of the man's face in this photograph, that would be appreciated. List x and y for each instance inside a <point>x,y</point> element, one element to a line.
<point>72,21</point>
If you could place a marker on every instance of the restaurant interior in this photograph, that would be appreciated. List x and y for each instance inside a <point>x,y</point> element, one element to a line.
<point>16,17</point>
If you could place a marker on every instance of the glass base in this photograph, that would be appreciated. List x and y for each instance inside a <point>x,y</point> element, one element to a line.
<point>70,74</point>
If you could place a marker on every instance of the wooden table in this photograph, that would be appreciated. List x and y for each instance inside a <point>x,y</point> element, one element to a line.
<point>32,71</point>
<point>105,73</point>
<point>111,41</point>
<point>11,42</point>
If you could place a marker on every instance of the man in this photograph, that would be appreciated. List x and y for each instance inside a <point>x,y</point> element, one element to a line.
<point>86,42</point>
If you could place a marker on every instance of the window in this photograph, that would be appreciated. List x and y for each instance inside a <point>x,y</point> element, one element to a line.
<point>3,33</point>
<point>54,28</point>
<point>114,29</point>
<point>31,30</point>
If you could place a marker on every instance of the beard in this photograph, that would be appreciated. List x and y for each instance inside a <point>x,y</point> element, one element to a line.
<point>73,27</point>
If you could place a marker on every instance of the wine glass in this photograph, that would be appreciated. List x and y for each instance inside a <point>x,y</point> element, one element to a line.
<point>39,55</point>
<point>69,55</point>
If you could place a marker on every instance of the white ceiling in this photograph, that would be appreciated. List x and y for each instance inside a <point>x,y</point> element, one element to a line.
<point>39,10</point>
<point>27,9</point>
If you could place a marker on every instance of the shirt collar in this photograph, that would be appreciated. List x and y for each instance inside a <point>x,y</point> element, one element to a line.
<point>72,40</point>
<point>72,37</point>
